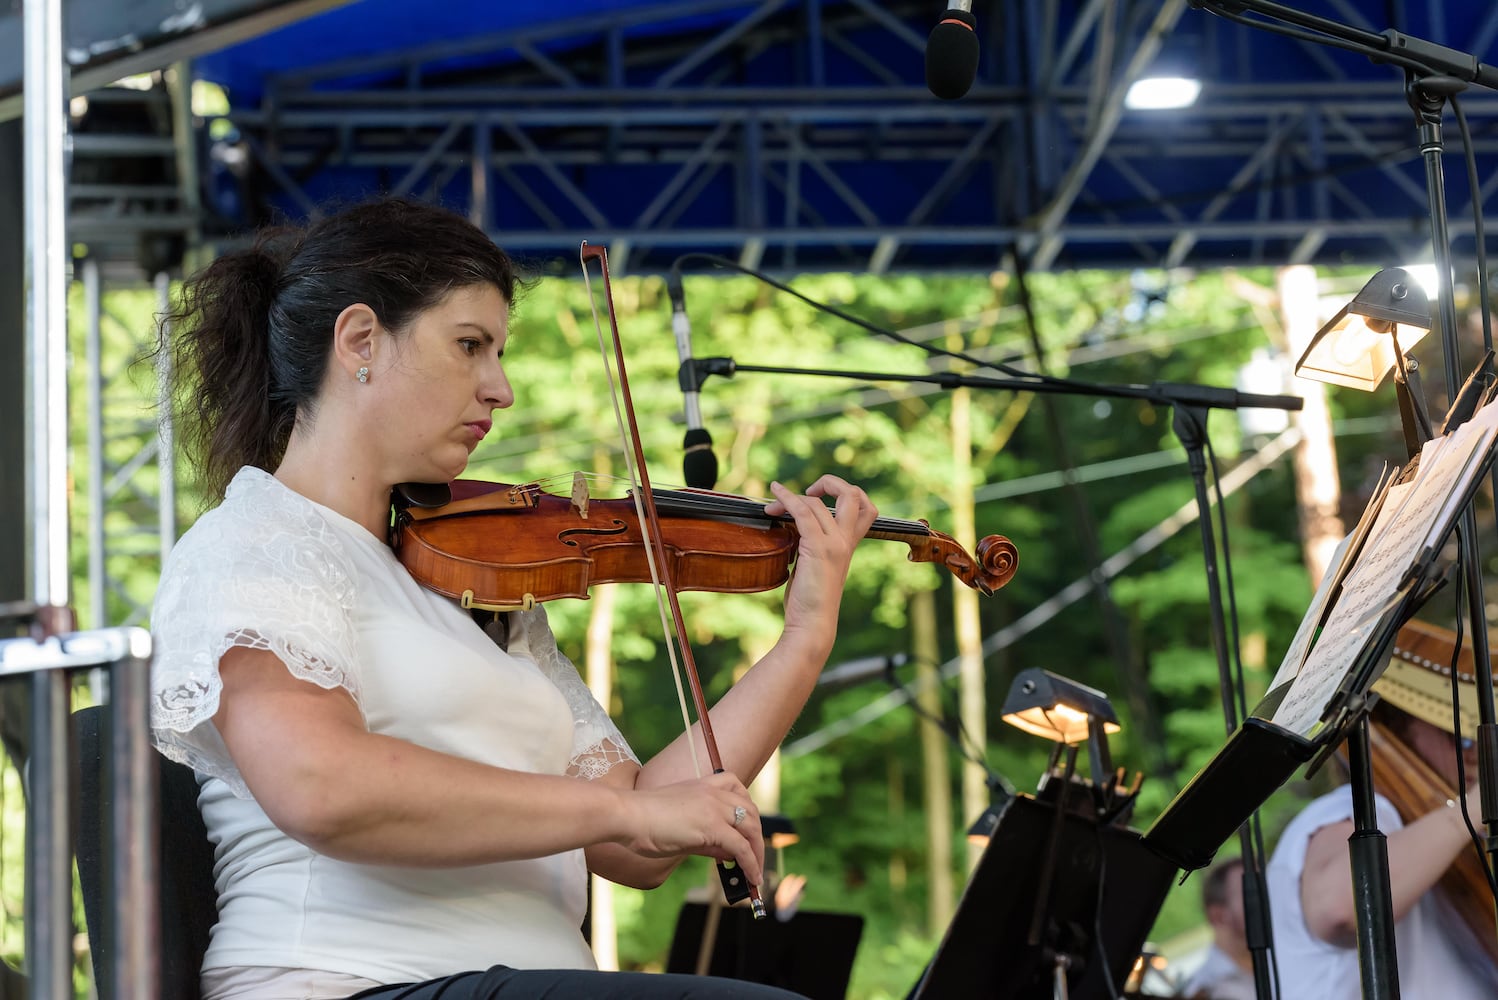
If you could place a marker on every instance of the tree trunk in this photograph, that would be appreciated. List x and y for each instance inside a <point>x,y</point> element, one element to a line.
<point>936,776</point>
<point>1318,488</point>
<point>974,703</point>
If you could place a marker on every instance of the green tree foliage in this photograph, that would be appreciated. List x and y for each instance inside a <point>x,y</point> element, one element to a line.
<point>856,800</point>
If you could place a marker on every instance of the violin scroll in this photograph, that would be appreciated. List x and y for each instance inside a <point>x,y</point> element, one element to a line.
<point>994,564</point>
<point>998,558</point>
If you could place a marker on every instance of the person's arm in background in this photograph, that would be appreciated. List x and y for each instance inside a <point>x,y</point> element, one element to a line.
<point>1419,855</point>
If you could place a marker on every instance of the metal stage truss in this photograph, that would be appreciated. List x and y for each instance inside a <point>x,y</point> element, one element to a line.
<point>800,136</point>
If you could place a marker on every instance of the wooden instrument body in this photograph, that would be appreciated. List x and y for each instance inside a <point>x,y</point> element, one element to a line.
<point>501,547</point>
<point>513,543</point>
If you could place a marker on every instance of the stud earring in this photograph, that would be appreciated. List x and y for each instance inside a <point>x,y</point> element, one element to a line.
<point>362,374</point>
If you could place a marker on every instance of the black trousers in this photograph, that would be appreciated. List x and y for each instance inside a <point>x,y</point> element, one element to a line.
<point>502,983</point>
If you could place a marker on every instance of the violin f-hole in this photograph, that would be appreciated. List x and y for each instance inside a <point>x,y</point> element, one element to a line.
<point>618,527</point>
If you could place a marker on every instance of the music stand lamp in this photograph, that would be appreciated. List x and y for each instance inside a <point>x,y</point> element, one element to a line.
<point>1056,708</point>
<point>1096,890</point>
<point>778,831</point>
<point>1061,710</point>
<point>1368,338</point>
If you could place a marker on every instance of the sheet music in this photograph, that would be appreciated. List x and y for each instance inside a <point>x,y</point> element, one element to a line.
<point>1472,441</point>
<point>1412,517</point>
<point>1364,595</point>
<point>1336,569</point>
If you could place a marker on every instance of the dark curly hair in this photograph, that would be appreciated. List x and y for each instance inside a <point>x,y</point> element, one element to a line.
<point>250,335</point>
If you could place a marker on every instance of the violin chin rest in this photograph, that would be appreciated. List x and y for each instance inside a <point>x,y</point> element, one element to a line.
<point>423,495</point>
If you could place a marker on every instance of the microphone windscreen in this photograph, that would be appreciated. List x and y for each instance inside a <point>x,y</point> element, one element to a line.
<point>699,466</point>
<point>952,55</point>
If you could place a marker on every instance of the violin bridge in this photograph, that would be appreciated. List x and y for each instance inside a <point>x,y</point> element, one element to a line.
<point>580,494</point>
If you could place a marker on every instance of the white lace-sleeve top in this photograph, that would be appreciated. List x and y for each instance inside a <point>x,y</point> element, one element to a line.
<point>269,569</point>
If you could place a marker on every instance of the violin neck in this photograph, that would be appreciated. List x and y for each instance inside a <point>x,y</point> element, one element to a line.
<point>687,502</point>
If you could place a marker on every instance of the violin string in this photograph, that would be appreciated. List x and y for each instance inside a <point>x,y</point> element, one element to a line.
<point>725,506</point>
<point>720,504</point>
<point>629,458</point>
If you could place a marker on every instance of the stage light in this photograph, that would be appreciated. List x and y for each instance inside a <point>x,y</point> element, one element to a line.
<point>1162,93</point>
<point>1364,341</point>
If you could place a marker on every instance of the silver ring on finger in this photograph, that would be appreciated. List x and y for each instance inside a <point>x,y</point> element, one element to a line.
<point>739,812</point>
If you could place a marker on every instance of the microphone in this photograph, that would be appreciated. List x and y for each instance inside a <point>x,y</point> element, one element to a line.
<point>952,52</point>
<point>699,466</point>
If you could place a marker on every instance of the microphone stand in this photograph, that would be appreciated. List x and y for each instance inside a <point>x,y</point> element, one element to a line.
<point>1433,74</point>
<point>1191,404</point>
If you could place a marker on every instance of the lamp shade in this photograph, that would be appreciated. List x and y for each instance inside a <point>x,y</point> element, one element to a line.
<point>1044,704</point>
<point>1361,344</point>
<point>778,830</point>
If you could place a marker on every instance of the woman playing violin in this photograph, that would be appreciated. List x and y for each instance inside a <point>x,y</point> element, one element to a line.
<point>401,806</point>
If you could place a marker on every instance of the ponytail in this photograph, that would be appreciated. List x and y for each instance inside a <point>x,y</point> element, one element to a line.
<point>222,393</point>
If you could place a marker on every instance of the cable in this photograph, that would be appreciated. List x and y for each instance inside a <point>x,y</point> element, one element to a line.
<point>1241,702</point>
<point>954,730</point>
<point>1097,914</point>
<point>1255,839</point>
<point>1456,735</point>
<point>733,265</point>
<point>1470,157</point>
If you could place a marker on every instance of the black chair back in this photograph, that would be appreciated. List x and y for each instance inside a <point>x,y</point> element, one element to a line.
<point>188,902</point>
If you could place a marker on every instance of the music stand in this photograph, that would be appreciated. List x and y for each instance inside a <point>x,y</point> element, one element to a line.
<point>1272,743</point>
<point>1384,570</point>
<point>811,953</point>
<point>1013,931</point>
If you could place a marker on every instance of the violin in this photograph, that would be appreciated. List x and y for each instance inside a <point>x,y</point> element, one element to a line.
<point>501,547</point>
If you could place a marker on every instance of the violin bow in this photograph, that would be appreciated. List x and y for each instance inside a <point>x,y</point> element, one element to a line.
<point>735,886</point>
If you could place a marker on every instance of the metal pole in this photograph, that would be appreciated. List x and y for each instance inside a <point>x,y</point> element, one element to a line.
<point>133,833</point>
<point>46,299</point>
<point>48,858</point>
<point>1368,853</point>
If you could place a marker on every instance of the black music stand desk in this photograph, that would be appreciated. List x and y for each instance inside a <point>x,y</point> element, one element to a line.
<point>1105,891</point>
<point>811,953</point>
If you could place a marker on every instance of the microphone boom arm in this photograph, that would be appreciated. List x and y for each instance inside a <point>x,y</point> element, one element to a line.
<point>697,370</point>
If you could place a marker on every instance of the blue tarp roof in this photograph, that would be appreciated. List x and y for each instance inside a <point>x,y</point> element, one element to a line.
<point>373,28</point>
<point>800,132</point>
